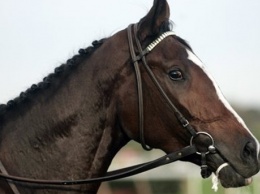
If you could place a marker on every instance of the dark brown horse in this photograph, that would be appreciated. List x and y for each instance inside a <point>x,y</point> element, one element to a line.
<point>71,125</point>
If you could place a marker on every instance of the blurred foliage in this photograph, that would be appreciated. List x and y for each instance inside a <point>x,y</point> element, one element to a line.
<point>251,116</point>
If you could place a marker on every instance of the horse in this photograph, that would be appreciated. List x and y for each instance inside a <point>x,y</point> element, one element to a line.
<point>143,83</point>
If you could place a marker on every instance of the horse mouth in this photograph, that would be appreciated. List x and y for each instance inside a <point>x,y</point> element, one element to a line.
<point>228,176</point>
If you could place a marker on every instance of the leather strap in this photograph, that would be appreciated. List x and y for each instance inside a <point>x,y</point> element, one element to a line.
<point>11,185</point>
<point>179,116</point>
<point>112,175</point>
<point>135,60</point>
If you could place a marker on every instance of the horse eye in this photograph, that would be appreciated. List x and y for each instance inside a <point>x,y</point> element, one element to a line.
<point>176,75</point>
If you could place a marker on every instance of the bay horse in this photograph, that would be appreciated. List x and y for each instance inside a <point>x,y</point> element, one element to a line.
<point>143,83</point>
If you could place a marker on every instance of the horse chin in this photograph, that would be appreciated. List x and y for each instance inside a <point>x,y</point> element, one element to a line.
<point>228,176</point>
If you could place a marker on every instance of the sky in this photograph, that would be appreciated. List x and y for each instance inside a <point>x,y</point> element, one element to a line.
<point>37,36</point>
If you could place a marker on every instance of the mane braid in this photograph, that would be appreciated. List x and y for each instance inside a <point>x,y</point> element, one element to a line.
<point>71,64</point>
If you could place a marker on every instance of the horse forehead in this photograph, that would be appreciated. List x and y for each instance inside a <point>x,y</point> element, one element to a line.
<point>192,57</point>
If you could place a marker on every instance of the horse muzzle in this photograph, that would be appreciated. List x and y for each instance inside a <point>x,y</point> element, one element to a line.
<point>229,176</point>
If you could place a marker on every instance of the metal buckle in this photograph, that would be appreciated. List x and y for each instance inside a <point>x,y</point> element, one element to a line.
<point>211,148</point>
<point>185,124</point>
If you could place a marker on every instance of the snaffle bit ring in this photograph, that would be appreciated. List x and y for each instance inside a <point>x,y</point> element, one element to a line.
<point>211,148</point>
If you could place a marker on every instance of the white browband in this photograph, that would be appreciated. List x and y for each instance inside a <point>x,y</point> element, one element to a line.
<point>159,39</point>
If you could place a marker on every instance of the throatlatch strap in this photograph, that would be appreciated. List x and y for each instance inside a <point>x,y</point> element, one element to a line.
<point>139,89</point>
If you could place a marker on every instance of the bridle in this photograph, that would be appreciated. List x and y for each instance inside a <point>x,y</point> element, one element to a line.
<point>135,59</point>
<point>129,171</point>
<point>183,121</point>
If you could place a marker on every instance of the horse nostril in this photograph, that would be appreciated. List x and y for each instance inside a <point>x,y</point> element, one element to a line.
<point>249,150</point>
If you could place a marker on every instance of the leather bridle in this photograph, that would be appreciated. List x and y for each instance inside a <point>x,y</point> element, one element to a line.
<point>135,59</point>
<point>136,169</point>
<point>183,121</point>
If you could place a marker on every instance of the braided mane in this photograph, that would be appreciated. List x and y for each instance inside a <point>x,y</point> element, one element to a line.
<point>67,67</point>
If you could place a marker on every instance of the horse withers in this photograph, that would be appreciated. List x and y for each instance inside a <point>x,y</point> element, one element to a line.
<point>143,83</point>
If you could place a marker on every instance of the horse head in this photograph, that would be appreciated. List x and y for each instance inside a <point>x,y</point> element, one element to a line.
<point>144,83</point>
<point>193,91</point>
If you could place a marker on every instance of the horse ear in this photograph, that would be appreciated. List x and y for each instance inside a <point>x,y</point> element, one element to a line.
<point>151,24</point>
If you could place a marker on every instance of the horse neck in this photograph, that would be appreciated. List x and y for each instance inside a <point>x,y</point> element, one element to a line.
<point>68,132</point>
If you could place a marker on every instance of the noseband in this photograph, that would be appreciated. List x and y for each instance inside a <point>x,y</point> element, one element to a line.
<point>129,171</point>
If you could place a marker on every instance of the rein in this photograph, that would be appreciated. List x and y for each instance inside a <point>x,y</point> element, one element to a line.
<point>112,175</point>
<point>136,169</point>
